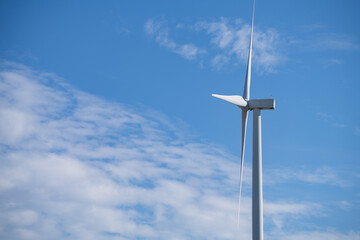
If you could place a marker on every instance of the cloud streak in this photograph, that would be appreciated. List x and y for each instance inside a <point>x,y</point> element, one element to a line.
<point>160,32</point>
<point>330,120</point>
<point>323,175</point>
<point>320,38</point>
<point>338,42</point>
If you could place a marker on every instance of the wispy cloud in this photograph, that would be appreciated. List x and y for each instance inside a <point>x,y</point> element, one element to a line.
<point>222,33</point>
<point>228,39</point>
<point>314,27</point>
<point>74,166</point>
<point>320,38</point>
<point>159,30</point>
<point>280,212</point>
<point>330,120</point>
<point>333,41</point>
<point>338,125</point>
<point>345,205</point>
<point>233,38</point>
<point>219,61</point>
<point>322,175</point>
<point>317,235</point>
<point>334,61</point>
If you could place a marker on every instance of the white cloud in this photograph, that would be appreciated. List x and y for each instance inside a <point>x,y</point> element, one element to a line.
<point>285,207</point>
<point>345,205</point>
<point>223,33</point>
<point>280,212</point>
<point>233,38</point>
<point>219,61</point>
<point>334,61</point>
<point>338,125</point>
<point>317,235</point>
<point>78,167</point>
<point>231,41</point>
<point>160,32</point>
<point>323,116</point>
<point>336,42</point>
<point>322,175</point>
<point>330,119</point>
<point>82,168</point>
<point>318,37</point>
<point>314,27</point>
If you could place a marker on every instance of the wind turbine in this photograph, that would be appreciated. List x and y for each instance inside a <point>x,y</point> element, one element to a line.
<point>255,105</point>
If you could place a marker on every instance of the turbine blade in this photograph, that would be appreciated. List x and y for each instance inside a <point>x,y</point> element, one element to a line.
<point>246,93</point>
<point>243,131</point>
<point>234,99</point>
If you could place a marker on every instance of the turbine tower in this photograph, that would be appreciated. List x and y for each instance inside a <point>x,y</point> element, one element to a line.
<point>256,105</point>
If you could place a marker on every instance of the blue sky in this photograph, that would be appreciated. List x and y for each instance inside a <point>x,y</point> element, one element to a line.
<point>108,128</point>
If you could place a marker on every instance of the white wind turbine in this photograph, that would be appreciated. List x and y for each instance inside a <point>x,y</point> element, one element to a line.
<point>255,105</point>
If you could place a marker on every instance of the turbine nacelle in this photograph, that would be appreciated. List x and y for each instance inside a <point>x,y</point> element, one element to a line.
<point>261,104</point>
<point>250,104</point>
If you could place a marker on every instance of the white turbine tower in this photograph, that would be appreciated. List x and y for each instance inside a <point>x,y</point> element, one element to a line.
<point>256,105</point>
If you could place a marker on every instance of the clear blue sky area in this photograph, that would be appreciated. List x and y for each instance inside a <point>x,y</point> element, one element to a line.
<point>107,116</point>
